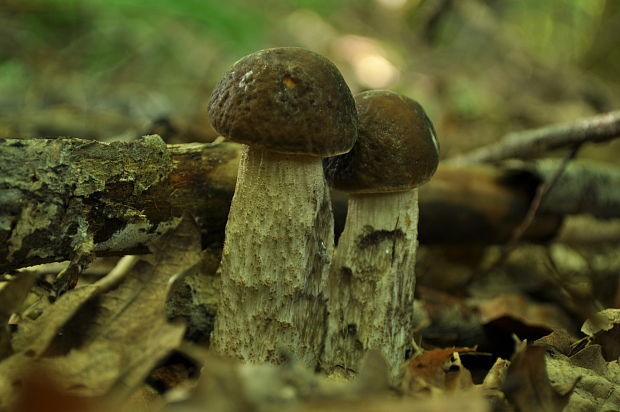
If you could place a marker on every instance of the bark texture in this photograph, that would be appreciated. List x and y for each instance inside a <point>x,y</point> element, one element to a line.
<point>279,240</point>
<point>65,198</point>
<point>372,281</point>
<point>57,196</point>
<point>47,186</point>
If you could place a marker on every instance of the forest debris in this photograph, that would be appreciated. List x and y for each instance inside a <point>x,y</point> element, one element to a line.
<point>496,375</point>
<point>230,385</point>
<point>12,294</point>
<point>522,317</point>
<point>460,401</point>
<point>453,322</point>
<point>126,209</point>
<point>527,385</point>
<point>136,189</point>
<point>560,340</point>
<point>193,300</point>
<point>437,370</point>
<point>596,382</point>
<point>49,187</point>
<point>531,143</point>
<point>604,330</point>
<point>104,338</point>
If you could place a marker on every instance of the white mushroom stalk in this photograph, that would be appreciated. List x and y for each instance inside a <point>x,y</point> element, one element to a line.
<point>279,242</point>
<point>372,278</point>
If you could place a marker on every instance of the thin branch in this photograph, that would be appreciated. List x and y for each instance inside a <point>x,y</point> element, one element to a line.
<point>532,143</point>
<point>542,191</point>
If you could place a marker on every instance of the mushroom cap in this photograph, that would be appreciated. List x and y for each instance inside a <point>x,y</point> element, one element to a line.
<point>288,100</point>
<point>396,149</point>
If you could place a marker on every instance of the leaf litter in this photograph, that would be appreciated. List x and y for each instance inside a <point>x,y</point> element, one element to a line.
<point>111,345</point>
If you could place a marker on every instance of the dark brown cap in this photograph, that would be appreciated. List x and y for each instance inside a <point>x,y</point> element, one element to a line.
<point>288,100</point>
<point>396,148</point>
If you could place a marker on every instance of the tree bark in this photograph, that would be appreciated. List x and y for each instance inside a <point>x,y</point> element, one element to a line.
<point>60,198</point>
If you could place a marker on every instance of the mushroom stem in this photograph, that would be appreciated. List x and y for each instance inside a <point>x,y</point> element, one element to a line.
<point>372,280</point>
<point>279,240</point>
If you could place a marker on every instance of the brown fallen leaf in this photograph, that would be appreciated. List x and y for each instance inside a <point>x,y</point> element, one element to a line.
<point>12,294</point>
<point>35,335</point>
<point>527,385</point>
<point>103,339</point>
<point>437,369</point>
<point>520,316</point>
<point>596,382</point>
<point>604,329</point>
<point>559,340</point>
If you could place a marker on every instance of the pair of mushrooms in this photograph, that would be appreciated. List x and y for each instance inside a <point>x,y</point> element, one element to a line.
<point>280,290</point>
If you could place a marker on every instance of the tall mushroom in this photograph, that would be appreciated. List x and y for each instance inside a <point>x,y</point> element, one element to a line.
<point>290,107</point>
<point>372,278</point>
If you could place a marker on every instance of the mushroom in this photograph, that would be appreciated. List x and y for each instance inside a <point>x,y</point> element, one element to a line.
<point>372,279</point>
<point>290,108</point>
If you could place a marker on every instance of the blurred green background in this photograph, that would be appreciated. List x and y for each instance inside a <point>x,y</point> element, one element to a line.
<point>117,69</point>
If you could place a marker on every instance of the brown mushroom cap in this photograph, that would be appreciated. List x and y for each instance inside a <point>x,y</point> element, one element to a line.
<point>288,100</point>
<point>396,148</point>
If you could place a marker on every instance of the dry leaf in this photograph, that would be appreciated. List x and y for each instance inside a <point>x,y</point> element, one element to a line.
<point>527,385</point>
<point>36,335</point>
<point>496,375</point>
<point>597,381</point>
<point>604,330</point>
<point>559,340</point>
<point>105,338</point>
<point>12,294</point>
<point>437,369</point>
<point>522,317</point>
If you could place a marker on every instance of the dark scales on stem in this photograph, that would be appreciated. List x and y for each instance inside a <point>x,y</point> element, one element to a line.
<point>374,237</point>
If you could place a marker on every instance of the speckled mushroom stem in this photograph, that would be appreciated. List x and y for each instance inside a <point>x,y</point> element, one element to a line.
<point>372,281</point>
<point>274,270</point>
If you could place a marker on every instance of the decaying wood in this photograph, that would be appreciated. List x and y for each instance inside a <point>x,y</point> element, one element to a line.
<point>533,143</point>
<point>371,282</point>
<point>58,195</point>
<point>279,243</point>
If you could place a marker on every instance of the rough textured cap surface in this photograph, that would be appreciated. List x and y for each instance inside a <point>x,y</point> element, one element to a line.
<point>288,100</point>
<point>396,148</point>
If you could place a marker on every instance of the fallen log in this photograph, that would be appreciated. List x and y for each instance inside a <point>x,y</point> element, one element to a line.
<point>60,198</point>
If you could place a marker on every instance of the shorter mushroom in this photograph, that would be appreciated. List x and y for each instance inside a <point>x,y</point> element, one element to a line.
<point>372,277</point>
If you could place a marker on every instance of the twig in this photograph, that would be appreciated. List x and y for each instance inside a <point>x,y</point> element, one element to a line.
<point>542,191</point>
<point>531,143</point>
